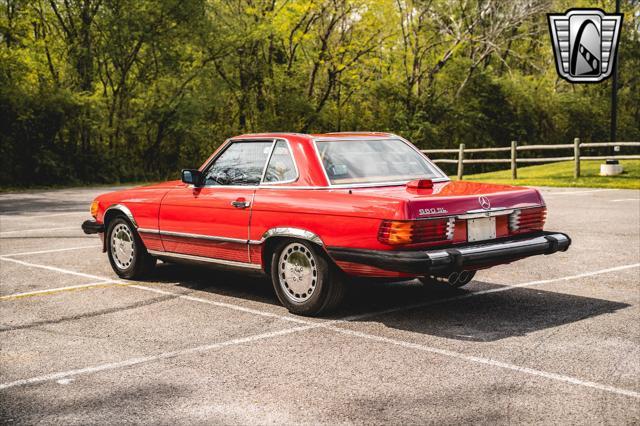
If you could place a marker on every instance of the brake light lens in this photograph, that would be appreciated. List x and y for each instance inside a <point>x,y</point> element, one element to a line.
<point>527,220</point>
<point>420,184</point>
<point>396,232</point>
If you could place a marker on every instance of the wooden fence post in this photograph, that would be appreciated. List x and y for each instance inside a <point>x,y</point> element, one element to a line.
<point>576,158</point>
<point>514,167</point>
<point>461,161</point>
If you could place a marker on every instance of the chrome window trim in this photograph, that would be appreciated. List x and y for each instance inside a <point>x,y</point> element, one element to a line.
<point>124,209</point>
<point>293,159</point>
<point>282,185</point>
<point>266,163</point>
<point>364,136</point>
<point>226,145</point>
<point>298,187</point>
<point>443,177</point>
<point>170,254</point>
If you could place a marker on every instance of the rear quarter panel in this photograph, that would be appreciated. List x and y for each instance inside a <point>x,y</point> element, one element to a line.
<point>351,218</point>
<point>336,216</point>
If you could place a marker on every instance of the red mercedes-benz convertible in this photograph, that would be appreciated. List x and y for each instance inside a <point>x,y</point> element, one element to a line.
<point>312,210</point>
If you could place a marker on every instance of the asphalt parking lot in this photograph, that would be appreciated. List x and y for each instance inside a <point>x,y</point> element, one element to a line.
<point>551,339</point>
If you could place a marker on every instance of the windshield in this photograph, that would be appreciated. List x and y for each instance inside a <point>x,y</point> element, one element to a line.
<point>373,161</point>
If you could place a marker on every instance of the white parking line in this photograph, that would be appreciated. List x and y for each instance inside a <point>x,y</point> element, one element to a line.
<point>105,280</point>
<point>489,361</point>
<point>350,318</point>
<point>491,290</point>
<point>27,253</point>
<point>54,269</point>
<point>38,216</point>
<point>403,307</point>
<point>161,356</point>
<point>56,290</point>
<point>39,230</point>
<point>576,192</point>
<point>225,305</point>
<point>330,325</point>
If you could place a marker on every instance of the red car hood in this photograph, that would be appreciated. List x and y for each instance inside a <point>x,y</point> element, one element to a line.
<point>456,197</point>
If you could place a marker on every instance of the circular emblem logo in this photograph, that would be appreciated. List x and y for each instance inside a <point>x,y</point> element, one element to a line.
<point>484,202</point>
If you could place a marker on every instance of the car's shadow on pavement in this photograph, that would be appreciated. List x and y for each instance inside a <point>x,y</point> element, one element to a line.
<point>499,313</point>
<point>436,310</point>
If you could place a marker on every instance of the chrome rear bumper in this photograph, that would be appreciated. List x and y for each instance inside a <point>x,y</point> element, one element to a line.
<point>450,259</point>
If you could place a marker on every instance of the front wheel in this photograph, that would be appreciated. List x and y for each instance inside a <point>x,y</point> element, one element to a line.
<point>305,282</point>
<point>127,254</point>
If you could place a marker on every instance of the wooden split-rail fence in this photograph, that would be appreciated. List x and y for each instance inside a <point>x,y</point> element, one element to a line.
<point>515,148</point>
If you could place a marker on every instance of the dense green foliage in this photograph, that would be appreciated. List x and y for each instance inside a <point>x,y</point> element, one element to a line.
<point>117,90</point>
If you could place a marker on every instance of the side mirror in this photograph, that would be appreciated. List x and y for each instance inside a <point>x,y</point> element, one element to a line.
<point>191,177</point>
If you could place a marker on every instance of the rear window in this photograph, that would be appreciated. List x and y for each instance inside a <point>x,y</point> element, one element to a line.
<point>373,161</point>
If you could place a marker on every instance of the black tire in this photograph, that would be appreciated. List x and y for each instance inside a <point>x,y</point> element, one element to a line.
<point>455,279</point>
<point>140,263</point>
<point>326,288</point>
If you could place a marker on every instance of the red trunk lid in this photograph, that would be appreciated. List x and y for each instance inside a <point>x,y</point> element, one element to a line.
<point>457,197</point>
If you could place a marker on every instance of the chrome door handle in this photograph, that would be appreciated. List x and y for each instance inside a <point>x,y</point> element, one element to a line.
<point>240,204</point>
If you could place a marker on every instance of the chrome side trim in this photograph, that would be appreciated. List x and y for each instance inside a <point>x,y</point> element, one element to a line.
<point>289,232</point>
<point>273,232</point>
<point>205,259</point>
<point>202,237</point>
<point>124,209</point>
<point>148,231</point>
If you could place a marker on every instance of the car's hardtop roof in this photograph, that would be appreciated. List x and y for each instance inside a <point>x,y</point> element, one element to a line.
<point>332,136</point>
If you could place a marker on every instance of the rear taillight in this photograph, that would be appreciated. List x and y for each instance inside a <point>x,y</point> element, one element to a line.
<point>527,220</point>
<point>416,231</point>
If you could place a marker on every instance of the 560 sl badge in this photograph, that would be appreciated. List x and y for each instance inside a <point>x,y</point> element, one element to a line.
<point>436,210</point>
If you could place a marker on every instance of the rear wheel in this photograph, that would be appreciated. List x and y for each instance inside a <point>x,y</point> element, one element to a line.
<point>305,282</point>
<point>127,254</point>
<point>455,279</point>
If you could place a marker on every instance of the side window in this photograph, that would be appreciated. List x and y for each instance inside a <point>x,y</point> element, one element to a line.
<point>241,163</point>
<point>281,167</point>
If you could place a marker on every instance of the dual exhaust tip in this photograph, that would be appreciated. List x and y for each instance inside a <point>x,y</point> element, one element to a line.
<point>459,278</point>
